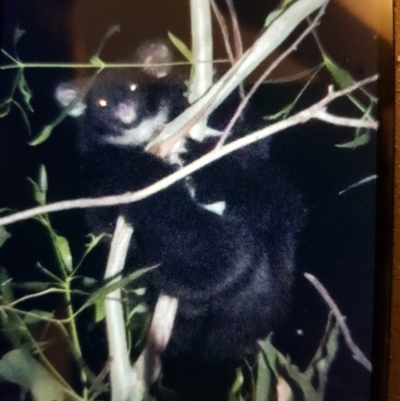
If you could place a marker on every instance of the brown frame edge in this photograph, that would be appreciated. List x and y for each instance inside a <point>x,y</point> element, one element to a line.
<point>387,329</point>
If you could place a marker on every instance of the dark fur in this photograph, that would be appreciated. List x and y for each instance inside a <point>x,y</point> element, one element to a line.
<point>233,273</point>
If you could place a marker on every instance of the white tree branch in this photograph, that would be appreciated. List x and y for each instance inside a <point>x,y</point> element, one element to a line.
<point>129,197</point>
<point>123,387</point>
<point>276,33</point>
<point>358,355</point>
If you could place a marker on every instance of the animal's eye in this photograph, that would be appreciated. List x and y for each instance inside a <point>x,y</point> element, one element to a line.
<point>102,102</point>
<point>132,87</point>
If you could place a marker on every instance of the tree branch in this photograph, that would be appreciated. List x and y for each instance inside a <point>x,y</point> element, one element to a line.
<point>129,197</point>
<point>358,355</point>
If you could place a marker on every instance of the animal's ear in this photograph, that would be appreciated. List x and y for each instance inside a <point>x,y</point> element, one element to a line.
<point>68,95</point>
<point>155,58</point>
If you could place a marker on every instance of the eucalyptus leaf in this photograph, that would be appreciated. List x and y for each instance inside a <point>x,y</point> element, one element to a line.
<point>183,49</point>
<point>317,371</point>
<point>4,236</point>
<point>42,179</point>
<point>5,108</point>
<point>96,61</point>
<point>94,240</point>
<point>283,6</point>
<point>99,310</point>
<point>266,381</point>
<point>101,293</point>
<point>64,251</point>
<point>234,392</point>
<point>18,35</point>
<point>6,289</point>
<point>38,195</point>
<point>138,309</point>
<point>40,316</point>
<point>25,91</point>
<point>301,388</point>
<point>359,140</point>
<point>43,135</point>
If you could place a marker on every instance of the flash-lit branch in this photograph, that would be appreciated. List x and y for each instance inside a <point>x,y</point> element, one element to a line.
<point>129,197</point>
<point>345,121</point>
<point>235,29</point>
<point>263,77</point>
<point>224,30</point>
<point>276,33</point>
<point>357,353</point>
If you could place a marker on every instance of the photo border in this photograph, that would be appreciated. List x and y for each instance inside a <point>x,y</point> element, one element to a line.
<point>392,343</point>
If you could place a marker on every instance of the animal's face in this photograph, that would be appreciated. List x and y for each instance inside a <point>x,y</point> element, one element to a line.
<point>126,111</point>
<point>126,106</point>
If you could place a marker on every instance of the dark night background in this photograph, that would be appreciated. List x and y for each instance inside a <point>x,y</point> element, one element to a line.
<point>338,242</point>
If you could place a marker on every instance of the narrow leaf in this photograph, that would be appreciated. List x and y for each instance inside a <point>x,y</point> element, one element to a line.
<point>183,49</point>
<point>359,140</point>
<point>25,91</point>
<point>4,236</point>
<point>63,248</point>
<point>43,135</point>
<point>107,289</point>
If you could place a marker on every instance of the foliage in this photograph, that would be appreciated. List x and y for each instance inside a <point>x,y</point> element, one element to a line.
<point>273,378</point>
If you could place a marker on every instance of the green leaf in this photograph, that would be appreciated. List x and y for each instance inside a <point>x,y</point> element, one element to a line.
<point>341,76</point>
<point>99,310</point>
<point>94,240</point>
<point>343,79</point>
<point>266,381</point>
<point>38,195</point>
<point>43,135</point>
<point>42,179</point>
<point>284,5</point>
<point>5,108</point>
<point>18,35</point>
<point>359,140</point>
<point>101,293</point>
<point>138,310</point>
<point>40,316</point>
<point>89,281</point>
<point>183,49</point>
<point>64,250</point>
<point>40,188</point>
<point>286,378</point>
<point>4,236</point>
<point>96,61</point>
<point>234,392</point>
<point>25,91</point>
<point>317,371</point>
<point>6,289</point>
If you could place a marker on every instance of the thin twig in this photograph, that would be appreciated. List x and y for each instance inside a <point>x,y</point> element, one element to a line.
<point>224,30</point>
<point>235,29</point>
<point>120,367</point>
<point>202,49</point>
<point>270,39</point>
<point>358,355</point>
<point>129,197</point>
<point>105,65</point>
<point>344,121</point>
<point>263,77</point>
